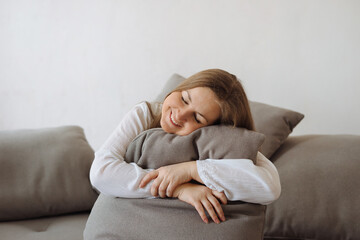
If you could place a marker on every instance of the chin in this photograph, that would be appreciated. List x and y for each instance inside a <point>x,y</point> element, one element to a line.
<point>166,130</point>
<point>165,127</point>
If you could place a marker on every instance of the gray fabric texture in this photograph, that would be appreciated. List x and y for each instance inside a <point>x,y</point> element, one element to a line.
<point>275,122</point>
<point>320,189</point>
<point>44,172</point>
<point>69,227</point>
<point>155,148</point>
<point>170,84</point>
<point>116,218</point>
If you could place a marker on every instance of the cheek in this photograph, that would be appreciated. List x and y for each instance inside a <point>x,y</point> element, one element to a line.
<point>173,99</point>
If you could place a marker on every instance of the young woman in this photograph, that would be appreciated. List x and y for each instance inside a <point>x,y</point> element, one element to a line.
<point>209,97</point>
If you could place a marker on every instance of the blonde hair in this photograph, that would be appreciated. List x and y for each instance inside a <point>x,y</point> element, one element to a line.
<point>234,104</point>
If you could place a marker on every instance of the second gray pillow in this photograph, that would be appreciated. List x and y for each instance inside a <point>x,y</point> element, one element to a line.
<point>155,148</point>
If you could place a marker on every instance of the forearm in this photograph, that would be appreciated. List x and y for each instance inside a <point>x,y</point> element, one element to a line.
<point>240,179</point>
<point>194,172</point>
<point>109,173</point>
<point>115,177</point>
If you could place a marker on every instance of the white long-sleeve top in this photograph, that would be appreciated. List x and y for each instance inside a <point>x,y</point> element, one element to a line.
<point>239,179</point>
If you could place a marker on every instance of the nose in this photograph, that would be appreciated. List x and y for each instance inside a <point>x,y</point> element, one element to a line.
<point>183,114</point>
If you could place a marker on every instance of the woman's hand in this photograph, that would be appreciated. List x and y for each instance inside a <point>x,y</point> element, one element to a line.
<point>202,197</point>
<point>169,177</point>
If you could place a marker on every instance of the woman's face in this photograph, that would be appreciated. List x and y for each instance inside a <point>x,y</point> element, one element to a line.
<point>184,112</point>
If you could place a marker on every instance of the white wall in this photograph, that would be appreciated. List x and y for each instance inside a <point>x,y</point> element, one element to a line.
<point>87,62</point>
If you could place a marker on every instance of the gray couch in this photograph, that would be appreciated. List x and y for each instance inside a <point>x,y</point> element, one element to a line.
<point>319,175</point>
<point>45,191</point>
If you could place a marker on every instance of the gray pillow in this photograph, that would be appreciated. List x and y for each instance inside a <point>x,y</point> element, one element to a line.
<point>320,189</point>
<point>142,219</point>
<point>155,148</point>
<point>276,123</point>
<point>44,172</point>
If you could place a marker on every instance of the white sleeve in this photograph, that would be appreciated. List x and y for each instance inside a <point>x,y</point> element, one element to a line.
<point>241,179</point>
<point>109,173</point>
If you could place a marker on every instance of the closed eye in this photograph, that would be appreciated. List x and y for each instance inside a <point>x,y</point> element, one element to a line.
<point>197,120</point>
<point>183,99</point>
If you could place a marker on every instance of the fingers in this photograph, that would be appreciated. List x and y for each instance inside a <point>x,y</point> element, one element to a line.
<point>219,211</point>
<point>209,204</point>
<point>163,188</point>
<point>203,198</point>
<point>199,208</point>
<point>210,209</point>
<point>159,187</point>
<point>220,195</point>
<point>170,189</point>
<point>148,177</point>
<point>155,187</point>
<point>166,188</point>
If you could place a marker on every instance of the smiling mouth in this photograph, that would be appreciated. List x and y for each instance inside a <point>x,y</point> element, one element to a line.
<point>172,120</point>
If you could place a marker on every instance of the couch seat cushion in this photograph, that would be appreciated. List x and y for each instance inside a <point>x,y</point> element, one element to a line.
<point>51,228</point>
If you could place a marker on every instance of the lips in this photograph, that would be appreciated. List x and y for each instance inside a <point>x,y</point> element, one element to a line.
<point>173,121</point>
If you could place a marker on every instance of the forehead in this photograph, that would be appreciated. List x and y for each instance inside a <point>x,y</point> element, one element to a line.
<point>201,93</point>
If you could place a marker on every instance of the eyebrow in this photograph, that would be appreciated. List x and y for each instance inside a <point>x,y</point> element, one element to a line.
<point>189,96</point>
